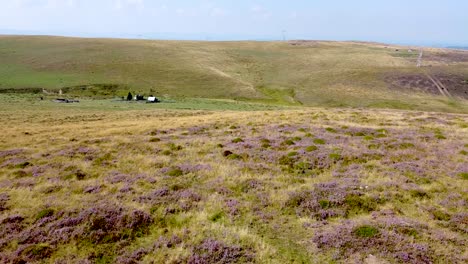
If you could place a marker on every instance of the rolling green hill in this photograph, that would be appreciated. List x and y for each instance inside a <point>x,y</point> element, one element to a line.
<point>307,73</point>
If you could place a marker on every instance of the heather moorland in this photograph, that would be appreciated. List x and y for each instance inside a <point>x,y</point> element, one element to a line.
<point>295,185</point>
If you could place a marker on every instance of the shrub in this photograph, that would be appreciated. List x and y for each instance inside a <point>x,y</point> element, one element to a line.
<point>334,156</point>
<point>226,153</point>
<point>359,204</point>
<point>266,143</point>
<point>107,223</point>
<point>406,145</point>
<point>459,222</point>
<point>216,216</point>
<point>175,199</point>
<point>155,140</point>
<point>233,207</point>
<point>80,175</point>
<point>409,231</point>
<point>301,167</point>
<point>324,204</point>
<point>287,160</point>
<point>237,140</point>
<point>366,231</point>
<point>463,175</point>
<point>251,184</point>
<point>331,130</point>
<point>288,142</point>
<point>175,172</point>
<point>440,215</point>
<point>377,238</point>
<point>419,193</point>
<point>373,146</point>
<point>45,213</point>
<point>192,168</point>
<point>103,160</point>
<point>111,225</point>
<point>33,253</point>
<point>166,152</point>
<point>92,189</point>
<point>4,198</point>
<point>118,177</point>
<point>166,242</point>
<point>132,257</point>
<point>24,164</point>
<point>311,148</point>
<point>13,152</point>
<point>329,200</point>
<point>174,147</point>
<point>51,189</point>
<point>20,174</point>
<point>213,251</point>
<point>234,156</point>
<point>157,132</point>
<point>319,141</point>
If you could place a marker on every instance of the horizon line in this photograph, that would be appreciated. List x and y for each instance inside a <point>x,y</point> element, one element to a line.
<point>132,36</point>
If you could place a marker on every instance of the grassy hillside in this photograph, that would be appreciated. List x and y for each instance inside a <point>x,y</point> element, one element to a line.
<point>294,73</point>
<point>88,183</point>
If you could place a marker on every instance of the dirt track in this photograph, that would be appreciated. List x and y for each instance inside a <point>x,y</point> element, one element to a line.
<point>442,89</point>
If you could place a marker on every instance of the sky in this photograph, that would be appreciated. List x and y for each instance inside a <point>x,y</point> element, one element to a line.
<point>428,22</point>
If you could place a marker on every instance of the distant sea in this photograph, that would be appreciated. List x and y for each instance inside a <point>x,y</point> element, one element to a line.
<point>455,47</point>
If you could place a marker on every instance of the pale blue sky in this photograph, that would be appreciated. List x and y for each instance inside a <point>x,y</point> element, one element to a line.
<point>400,21</point>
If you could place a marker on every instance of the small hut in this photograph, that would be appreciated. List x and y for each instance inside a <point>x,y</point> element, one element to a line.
<point>152,100</point>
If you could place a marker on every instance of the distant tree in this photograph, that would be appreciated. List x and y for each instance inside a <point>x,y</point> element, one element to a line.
<point>129,96</point>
